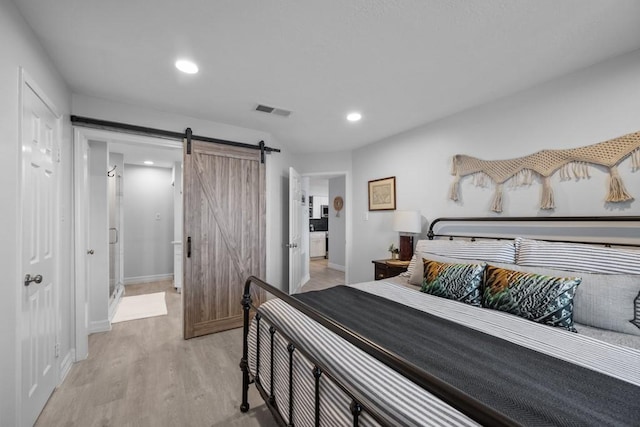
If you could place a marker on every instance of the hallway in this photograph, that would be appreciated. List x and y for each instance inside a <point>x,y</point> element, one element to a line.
<point>322,276</point>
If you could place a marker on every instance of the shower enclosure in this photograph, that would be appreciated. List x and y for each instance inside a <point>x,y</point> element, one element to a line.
<point>114,191</point>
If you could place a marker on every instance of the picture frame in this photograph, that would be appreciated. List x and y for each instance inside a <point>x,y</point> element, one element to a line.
<point>382,194</point>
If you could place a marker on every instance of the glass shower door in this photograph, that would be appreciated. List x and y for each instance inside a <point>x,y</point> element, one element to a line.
<point>116,285</point>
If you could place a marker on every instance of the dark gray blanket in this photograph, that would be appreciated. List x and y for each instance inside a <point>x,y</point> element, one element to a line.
<point>527,386</point>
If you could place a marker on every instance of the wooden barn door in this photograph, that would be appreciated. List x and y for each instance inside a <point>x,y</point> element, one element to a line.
<point>224,234</point>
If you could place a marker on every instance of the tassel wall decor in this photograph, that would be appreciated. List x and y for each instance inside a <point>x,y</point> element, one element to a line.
<point>569,163</point>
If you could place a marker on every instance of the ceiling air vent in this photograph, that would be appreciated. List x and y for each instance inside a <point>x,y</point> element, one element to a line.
<point>272,110</point>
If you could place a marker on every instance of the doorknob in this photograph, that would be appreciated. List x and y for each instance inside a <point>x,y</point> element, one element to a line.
<point>90,252</point>
<point>28,279</point>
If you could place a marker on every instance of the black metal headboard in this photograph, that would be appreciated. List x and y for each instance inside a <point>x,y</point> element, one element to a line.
<point>604,230</point>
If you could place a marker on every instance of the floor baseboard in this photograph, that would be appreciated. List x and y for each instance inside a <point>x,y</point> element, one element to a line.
<point>147,279</point>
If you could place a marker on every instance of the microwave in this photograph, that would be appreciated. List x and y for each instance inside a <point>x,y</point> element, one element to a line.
<point>324,209</point>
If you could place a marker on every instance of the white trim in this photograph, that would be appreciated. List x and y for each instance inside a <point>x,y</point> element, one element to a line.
<point>65,366</point>
<point>147,279</point>
<point>99,326</point>
<point>109,136</point>
<point>19,251</point>
<point>305,279</point>
<point>336,266</point>
<point>79,249</point>
<point>113,306</point>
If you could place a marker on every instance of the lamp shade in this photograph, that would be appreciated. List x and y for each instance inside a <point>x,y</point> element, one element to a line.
<point>407,221</point>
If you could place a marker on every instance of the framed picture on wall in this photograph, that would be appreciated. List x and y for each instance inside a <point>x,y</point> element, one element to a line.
<point>382,194</point>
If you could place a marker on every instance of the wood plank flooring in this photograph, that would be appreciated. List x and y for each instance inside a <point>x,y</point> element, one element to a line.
<point>142,373</point>
<point>322,277</point>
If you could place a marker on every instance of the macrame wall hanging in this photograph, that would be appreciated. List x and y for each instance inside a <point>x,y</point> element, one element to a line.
<point>570,163</point>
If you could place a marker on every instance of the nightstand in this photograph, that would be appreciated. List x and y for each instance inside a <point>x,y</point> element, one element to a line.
<point>383,270</point>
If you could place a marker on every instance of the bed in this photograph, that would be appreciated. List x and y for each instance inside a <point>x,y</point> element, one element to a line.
<point>463,339</point>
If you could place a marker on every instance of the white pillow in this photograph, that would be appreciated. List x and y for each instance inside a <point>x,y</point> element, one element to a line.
<point>502,251</point>
<point>577,257</point>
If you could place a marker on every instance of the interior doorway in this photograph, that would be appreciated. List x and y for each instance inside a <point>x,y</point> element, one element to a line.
<point>327,229</point>
<point>129,232</point>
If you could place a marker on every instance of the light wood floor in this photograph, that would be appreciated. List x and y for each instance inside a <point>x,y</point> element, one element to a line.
<point>142,373</point>
<point>322,276</point>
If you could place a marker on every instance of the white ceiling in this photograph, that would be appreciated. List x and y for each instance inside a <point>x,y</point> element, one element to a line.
<point>402,63</point>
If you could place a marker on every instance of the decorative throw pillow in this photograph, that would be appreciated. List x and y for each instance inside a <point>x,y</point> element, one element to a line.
<point>460,282</point>
<point>543,299</point>
<point>636,317</point>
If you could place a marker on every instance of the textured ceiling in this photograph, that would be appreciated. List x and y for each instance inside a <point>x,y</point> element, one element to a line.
<point>401,63</point>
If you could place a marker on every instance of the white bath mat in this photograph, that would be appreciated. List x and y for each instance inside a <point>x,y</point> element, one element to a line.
<point>140,307</point>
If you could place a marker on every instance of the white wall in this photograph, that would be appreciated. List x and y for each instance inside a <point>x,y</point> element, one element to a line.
<point>277,173</point>
<point>318,187</point>
<point>19,48</point>
<point>337,225</point>
<point>587,107</point>
<point>323,163</point>
<point>147,192</point>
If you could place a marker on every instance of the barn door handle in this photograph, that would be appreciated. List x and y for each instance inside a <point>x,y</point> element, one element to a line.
<point>189,247</point>
<point>28,279</point>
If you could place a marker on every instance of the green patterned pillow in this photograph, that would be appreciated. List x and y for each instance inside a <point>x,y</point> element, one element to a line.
<point>543,299</point>
<point>460,282</point>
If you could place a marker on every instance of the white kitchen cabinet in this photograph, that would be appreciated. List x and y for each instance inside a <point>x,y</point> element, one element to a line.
<point>318,202</point>
<point>317,244</point>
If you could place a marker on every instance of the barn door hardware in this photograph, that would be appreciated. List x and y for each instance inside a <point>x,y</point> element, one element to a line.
<point>188,134</point>
<point>167,134</point>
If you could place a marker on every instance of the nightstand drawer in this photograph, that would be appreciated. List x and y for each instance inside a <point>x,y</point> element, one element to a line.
<point>384,270</point>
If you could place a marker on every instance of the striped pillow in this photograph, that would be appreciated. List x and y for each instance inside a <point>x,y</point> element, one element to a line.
<point>577,257</point>
<point>482,250</point>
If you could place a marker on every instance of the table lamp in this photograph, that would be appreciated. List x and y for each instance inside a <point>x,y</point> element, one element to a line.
<point>407,223</point>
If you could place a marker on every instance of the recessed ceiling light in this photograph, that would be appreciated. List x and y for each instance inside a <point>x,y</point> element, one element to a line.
<point>148,162</point>
<point>186,66</point>
<point>354,117</point>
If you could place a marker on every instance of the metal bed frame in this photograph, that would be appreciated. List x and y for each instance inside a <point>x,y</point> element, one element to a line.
<point>471,407</point>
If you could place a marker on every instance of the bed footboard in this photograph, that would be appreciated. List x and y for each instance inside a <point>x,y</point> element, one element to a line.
<point>359,403</point>
<point>356,408</point>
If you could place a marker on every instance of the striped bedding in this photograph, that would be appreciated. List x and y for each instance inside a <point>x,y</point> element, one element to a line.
<point>401,401</point>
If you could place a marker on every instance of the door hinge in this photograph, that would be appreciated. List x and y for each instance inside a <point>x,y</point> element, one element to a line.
<point>189,247</point>
<point>57,349</point>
